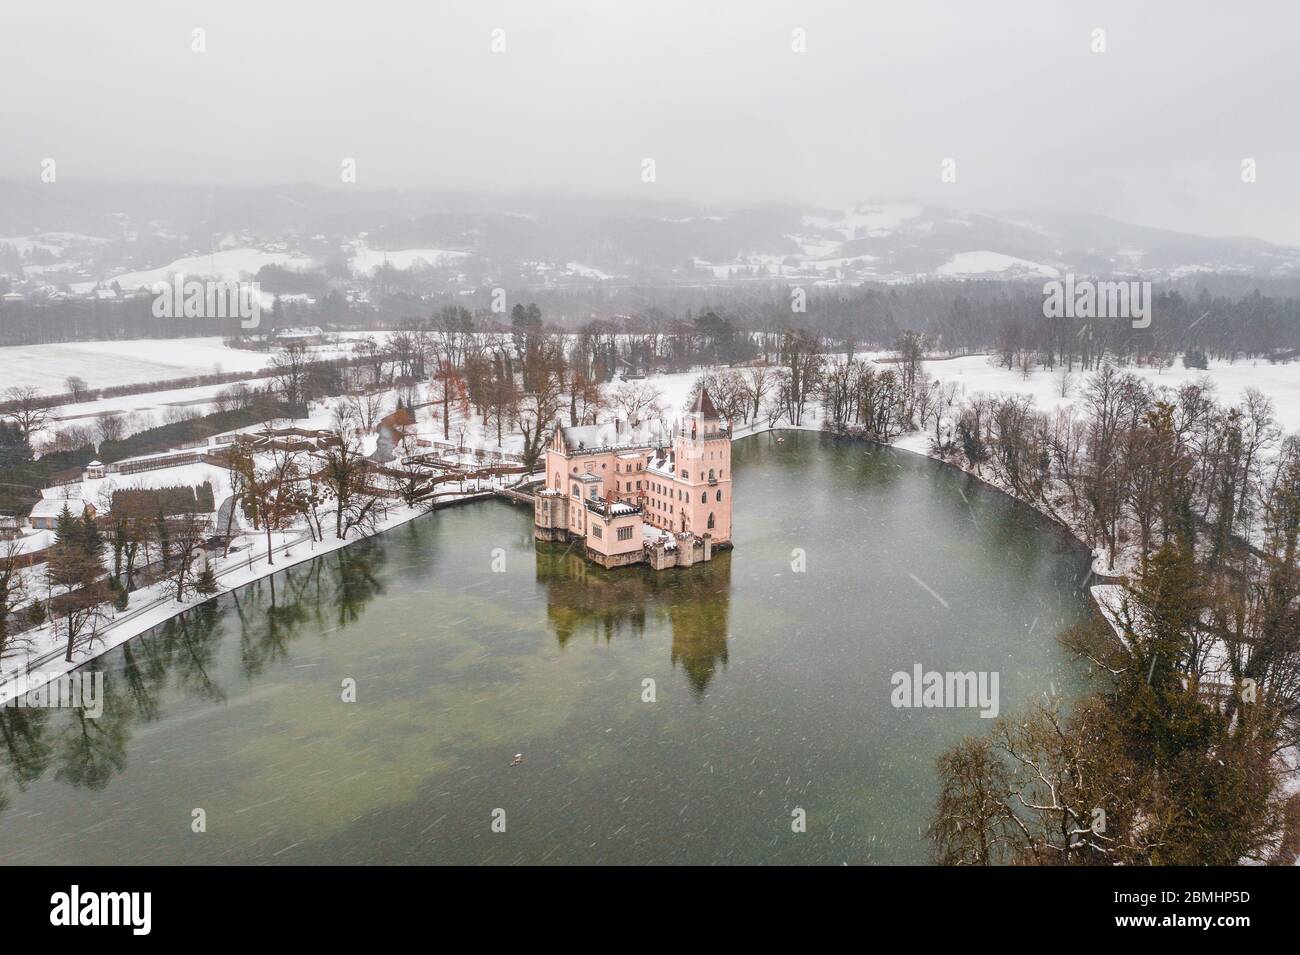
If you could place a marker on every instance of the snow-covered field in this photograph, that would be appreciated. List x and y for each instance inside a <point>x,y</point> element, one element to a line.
<point>101,364</point>
<point>993,264</point>
<point>365,260</point>
<point>104,363</point>
<point>1280,382</point>
<point>228,265</point>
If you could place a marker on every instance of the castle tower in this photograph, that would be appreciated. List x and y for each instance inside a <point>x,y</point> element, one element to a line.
<point>703,466</point>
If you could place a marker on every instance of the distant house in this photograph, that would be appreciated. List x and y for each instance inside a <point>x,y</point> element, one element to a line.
<point>307,335</point>
<point>9,527</point>
<point>45,513</point>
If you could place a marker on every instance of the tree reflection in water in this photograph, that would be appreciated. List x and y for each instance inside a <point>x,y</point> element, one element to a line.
<point>26,752</point>
<point>180,659</point>
<point>585,598</point>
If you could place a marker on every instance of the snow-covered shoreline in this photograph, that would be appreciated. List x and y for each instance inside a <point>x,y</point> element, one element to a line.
<point>973,373</point>
<point>915,443</point>
<point>46,659</point>
<point>289,549</point>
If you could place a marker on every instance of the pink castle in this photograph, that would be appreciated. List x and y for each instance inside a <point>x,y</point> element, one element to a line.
<point>629,499</point>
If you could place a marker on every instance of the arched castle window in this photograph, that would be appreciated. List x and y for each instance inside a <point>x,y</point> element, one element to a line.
<point>719,495</point>
<point>710,522</point>
<point>710,474</point>
<point>704,497</point>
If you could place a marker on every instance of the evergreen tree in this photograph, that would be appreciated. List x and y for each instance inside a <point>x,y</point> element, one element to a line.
<point>65,526</point>
<point>15,449</point>
<point>92,540</point>
<point>206,583</point>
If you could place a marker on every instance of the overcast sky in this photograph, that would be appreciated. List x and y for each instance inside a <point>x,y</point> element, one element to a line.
<point>1153,130</point>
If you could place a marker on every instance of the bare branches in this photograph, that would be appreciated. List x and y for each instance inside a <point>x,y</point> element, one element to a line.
<point>26,409</point>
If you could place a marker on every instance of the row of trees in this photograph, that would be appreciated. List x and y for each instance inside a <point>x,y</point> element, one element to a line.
<point>1177,757</point>
<point>92,565</point>
<point>96,562</point>
<point>1223,315</point>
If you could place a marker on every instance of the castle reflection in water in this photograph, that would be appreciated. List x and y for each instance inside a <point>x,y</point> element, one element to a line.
<point>586,599</point>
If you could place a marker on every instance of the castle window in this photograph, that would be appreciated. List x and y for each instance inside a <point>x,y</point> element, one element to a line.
<point>625,533</point>
<point>719,495</point>
<point>710,522</point>
<point>576,492</point>
<point>704,497</point>
<point>595,529</point>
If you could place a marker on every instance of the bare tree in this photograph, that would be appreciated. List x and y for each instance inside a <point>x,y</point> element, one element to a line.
<point>110,427</point>
<point>290,367</point>
<point>26,409</point>
<point>76,387</point>
<point>636,399</point>
<point>11,592</point>
<point>759,381</point>
<point>270,492</point>
<point>537,411</point>
<point>800,350</point>
<point>185,533</point>
<point>343,478</point>
<point>449,389</point>
<point>367,409</point>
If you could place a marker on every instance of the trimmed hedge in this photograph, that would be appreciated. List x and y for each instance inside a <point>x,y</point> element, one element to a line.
<point>171,436</point>
<point>165,500</point>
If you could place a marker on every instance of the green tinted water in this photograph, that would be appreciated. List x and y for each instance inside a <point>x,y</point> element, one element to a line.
<point>772,688</point>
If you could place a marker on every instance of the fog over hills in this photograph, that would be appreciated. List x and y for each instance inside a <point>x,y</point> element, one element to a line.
<point>80,236</point>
